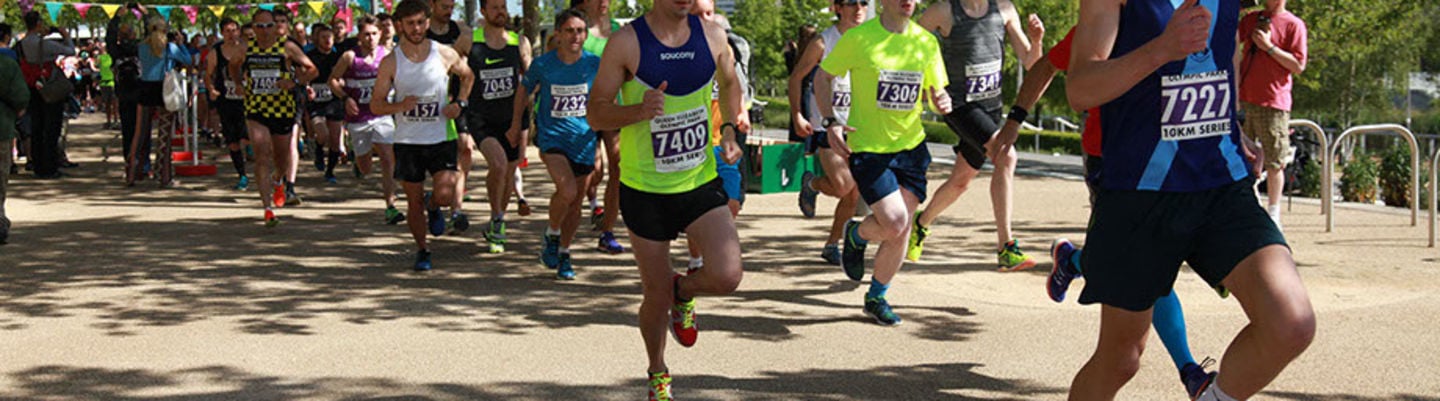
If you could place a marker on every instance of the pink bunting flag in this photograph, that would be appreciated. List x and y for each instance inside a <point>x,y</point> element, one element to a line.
<point>191,12</point>
<point>82,8</point>
<point>294,8</point>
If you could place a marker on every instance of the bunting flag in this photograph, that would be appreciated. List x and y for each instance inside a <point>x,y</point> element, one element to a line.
<point>82,8</point>
<point>219,11</point>
<point>294,8</point>
<point>191,12</point>
<point>243,8</point>
<point>364,5</point>
<point>165,11</point>
<point>54,9</point>
<point>26,6</point>
<point>317,6</point>
<point>267,7</point>
<point>110,9</point>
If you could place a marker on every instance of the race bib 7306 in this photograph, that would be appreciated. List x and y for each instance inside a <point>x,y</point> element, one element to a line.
<point>1195,105</point>
<point>898,90</point>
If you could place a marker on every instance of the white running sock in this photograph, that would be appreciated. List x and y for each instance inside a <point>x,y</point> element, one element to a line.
<point>552,231</point>
<point>697,262</point>
<point>1213,393</point>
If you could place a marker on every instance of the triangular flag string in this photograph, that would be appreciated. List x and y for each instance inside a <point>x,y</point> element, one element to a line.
<point>165,11</point>
<point>317,6</point>
<point>191,12</point>
<point>54,9</point>
<point>219,11</point>
<point>110,9</point>
<point>82,8</point>
<point>294,8</point>
<point>267,7</point>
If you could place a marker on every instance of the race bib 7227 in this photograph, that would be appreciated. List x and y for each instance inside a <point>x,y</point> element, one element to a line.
<point>1195,106</point>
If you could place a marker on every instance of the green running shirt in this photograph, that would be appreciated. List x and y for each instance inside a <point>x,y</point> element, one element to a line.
<point>889,74</point>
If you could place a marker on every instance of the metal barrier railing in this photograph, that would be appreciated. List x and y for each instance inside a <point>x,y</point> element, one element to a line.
<point>1434,173</point>
<point>1324,156</point>
<point>1328,204</point>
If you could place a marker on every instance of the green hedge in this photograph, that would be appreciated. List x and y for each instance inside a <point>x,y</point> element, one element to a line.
<point>777,115</point>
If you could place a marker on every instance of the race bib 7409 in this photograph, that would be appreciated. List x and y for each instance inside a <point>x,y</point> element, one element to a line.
<point>680,140</point>
<point>1195,105</point>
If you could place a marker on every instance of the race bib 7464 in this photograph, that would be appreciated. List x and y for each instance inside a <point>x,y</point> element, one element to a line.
<point>1195,105</point>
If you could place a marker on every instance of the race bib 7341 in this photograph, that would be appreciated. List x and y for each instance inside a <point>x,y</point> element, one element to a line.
<point>982,81</point>
<point>1195,105</point>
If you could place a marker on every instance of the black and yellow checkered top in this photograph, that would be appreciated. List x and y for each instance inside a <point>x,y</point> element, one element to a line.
<point>263,68</point>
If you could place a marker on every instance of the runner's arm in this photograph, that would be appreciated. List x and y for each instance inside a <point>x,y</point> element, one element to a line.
<point>307,72</point>
<point>731,94</point>
<point>525,55</point>
<point>237,74</point>
<point>936,18</point>
<point>620,55</point>
<point>809,59</point>
<point>1094,78</point>
<point>460,69</point>
<point>210,61</point>
<point>1026,43</point>
<point>380,103</point>
<point>336,80</point>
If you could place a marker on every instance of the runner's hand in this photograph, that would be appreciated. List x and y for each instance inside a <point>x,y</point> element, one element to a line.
<point>452,111</point>
<point>351,107</point>
<point>285,84</point>
<point>837,139</point>
<point>310,93</point>
<point>409,103</point>
<point>1036,29</point>
<point>743,121</point>
<point>1188,31</point>
<point>1254,155</point>
<point>940,98</point>
<point>803,128</point>
<point>213,95</point>
<point>654,102</point>
<point>513,135</point>
<point>1004,141</point>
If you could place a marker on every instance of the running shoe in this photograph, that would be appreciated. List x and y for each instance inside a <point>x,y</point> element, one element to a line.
<point>524,207</point>
<point>1195,378</point>
<point>682,319</point>
<point>292,198</point>
<point>242,184</point>
<point>495,236</point>
<point>422,261</point>
<point>277,193</point>
<point>1012,259</point>
<point>319,161</point>
<point>355,168</point>
<point>852,258</point>
<point>437,218</point>
<point>330,179</point>
<point>879,308</point>
<point>564,270</point>
<point>831,254</point>
<point>807,195</point>
<point>660,387</point>
<point>597,216</point>
<point>393,216</point>
<point>270,220</point>
<point>916,245</point>
<point>550,250</point>
<point>1062,273</point>
<point>695,265</point>
<point>459,222</point>
<point>1222,291</point>
<point>609,245</point>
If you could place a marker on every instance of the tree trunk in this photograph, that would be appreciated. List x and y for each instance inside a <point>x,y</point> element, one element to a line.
<point>472,12</point>
<point>531,20</point>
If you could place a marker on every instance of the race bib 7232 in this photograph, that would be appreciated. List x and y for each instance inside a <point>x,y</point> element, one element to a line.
<point>1195,106</point>
<point>568,100</point>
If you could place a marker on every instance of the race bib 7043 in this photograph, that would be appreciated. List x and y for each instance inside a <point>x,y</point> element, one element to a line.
<point>680,140</point>
<point>1195,106</point>
<point>568,100</point>
<point>497,83</point>
<point>898,90</point>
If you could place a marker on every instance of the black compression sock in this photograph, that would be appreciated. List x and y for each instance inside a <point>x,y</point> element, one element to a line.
<point>333,160</point>
<point>237,158</point>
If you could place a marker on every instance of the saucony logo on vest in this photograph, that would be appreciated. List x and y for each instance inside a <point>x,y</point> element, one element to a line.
<point>677,56</point>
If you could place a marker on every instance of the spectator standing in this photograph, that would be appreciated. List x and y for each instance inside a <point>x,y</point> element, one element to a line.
<point>120,40</point>
<point>157,56</point>
<point>38,63</point>
<point>14,97</point>
<point>1275,51</point>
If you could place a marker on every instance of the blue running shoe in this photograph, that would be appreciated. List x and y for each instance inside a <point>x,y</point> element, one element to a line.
<point>1062,273</point>
<point>609,245</point>
<point>807,195</point>
<point>437,219</point>
<point>564,271</point>
<point>422,261</point>
<point>1195,378</point>
<point>550,253</point>
<point>831,254</point>
<point>330,179</point>
<point>878,308</point>
<point>459,223</point>
<point>853,256</point>
<point>243,184</point>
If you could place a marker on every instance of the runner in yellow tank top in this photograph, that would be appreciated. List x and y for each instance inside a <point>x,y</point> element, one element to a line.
<point>665,64</point>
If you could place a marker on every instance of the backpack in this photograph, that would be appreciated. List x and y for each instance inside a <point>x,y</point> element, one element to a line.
<point>41,77</point>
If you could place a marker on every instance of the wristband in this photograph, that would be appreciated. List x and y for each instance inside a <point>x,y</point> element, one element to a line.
<point>732,126</point>
<point>1271,50</point>
<point>1018,114</point>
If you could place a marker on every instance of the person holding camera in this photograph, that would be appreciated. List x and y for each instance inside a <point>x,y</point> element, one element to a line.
<point>1275,51</point>
<point>123,45</point>
<point>37,62</point>
<point>159,53</point>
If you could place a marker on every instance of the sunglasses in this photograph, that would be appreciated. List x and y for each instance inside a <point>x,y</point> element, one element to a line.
<point>263,25</point>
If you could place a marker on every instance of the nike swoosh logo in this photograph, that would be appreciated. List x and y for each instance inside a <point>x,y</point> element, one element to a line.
<point>489,61</point>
